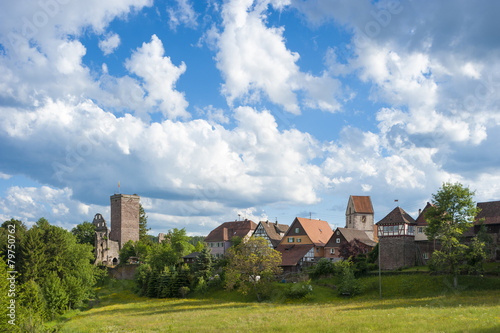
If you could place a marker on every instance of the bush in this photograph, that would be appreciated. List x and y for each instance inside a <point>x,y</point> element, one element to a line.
<point>360,265</point>
<point>298,290</point>
<point>349,286</point>
<point>323,268</point>
<point>183,291</point>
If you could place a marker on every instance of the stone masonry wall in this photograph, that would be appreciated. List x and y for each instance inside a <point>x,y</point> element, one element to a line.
<point>124,218</point>
<point>396,252</point>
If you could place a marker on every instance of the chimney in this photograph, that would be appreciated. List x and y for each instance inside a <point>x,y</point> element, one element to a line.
<point>419,211</point>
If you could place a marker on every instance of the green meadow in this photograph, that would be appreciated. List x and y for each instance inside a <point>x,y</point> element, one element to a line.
<point>410,303</point>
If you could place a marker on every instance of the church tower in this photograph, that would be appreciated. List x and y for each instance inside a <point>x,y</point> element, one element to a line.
<point>124,218</point>
<point>359,215</point>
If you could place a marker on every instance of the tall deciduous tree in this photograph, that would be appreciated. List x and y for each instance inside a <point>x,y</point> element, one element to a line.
<point>252,266</point>
<point>452,214</point>
<point>84,233</point>
<point>143,225</point>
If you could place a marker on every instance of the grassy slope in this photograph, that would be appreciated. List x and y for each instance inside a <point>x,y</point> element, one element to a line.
<point>411,303</point>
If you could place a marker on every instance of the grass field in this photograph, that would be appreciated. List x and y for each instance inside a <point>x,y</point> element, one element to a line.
<point>410,304</point>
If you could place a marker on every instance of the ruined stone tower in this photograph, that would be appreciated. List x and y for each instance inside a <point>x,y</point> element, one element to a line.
<point>124,227</point>
<point>124,218</point>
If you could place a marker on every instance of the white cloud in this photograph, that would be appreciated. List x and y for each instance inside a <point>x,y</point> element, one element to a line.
<point>4,176</point>
<point>29,204</point>
<point>252,163</point>
<point>183,14</point>
<point>159,75</point>
<point>254,59</point>
<point>109,44</point>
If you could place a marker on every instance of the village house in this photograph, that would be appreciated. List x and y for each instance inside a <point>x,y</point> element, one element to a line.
<point>190,258</point>
<point>359,225</point>
<point>424,247</point>
<point>272,232</point>
<point>304,243</point>
<point>219,239</point>
<point>489,216</point>
<point>345,235</point>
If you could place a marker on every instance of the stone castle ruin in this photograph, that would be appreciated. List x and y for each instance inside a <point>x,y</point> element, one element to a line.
<point>124,227</point>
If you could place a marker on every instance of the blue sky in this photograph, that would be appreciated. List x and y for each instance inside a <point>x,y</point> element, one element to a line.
<point>264,109</point>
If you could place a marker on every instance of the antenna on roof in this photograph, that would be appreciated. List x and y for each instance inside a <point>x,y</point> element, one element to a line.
<point>397,201</point>
<point>239,217</point>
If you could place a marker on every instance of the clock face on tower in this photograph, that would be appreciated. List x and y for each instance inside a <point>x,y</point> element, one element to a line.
<point>363,218</point>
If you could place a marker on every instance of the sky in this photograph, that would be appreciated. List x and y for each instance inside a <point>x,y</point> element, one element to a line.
<point>215,111</point>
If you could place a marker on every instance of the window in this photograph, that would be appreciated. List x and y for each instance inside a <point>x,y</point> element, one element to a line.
<point>297,230</point>
<point>299,240</point>
<point>425,255</point>
<point>338,232</point>
<point>317,250</point>
<point>420,230</point>
<point>332,251</point>
<point>290,239</point>
<point>338,240</point>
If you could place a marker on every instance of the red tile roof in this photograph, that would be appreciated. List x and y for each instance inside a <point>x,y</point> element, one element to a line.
<point>362,204</point>
<point>317,230</point>
<point>228,230</point>
<point>490,211</point>
<point>397,216</point>
<point>292,253</point>
<point>421,217</point>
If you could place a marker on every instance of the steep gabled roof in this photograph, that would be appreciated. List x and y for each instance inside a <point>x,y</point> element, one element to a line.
<point>421,217</point>
<point>362,204</point>
<point>228,230</point>
<point>318,231</point>
<point>490,211</point>
<point>273,231</point>
<point>292,253</point>
<point>397,216</point>
<point>192,255</point>
<point>350,235</point>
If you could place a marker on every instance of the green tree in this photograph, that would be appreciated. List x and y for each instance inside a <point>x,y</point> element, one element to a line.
<point>32,260</point>
<point>32,307</point>
<point>252,266</point>
<point>179,241</point>
<point>54,294</point>
<point>143,225</point>
<point>203,265</point>
<point>14,228</point>
<point>84,233</point>
<point>194,240</point>
<point>452,214</point>
<point>4,297</point>
<point>127,251</point>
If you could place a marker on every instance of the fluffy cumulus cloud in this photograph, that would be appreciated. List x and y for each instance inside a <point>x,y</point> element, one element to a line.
<point>441,90</point>
<point>79,127</point>
<point>109,44</point>
<point>159,75</point>
<point>255,61</point>
<point>29,204</point>
<point>252,164</point>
